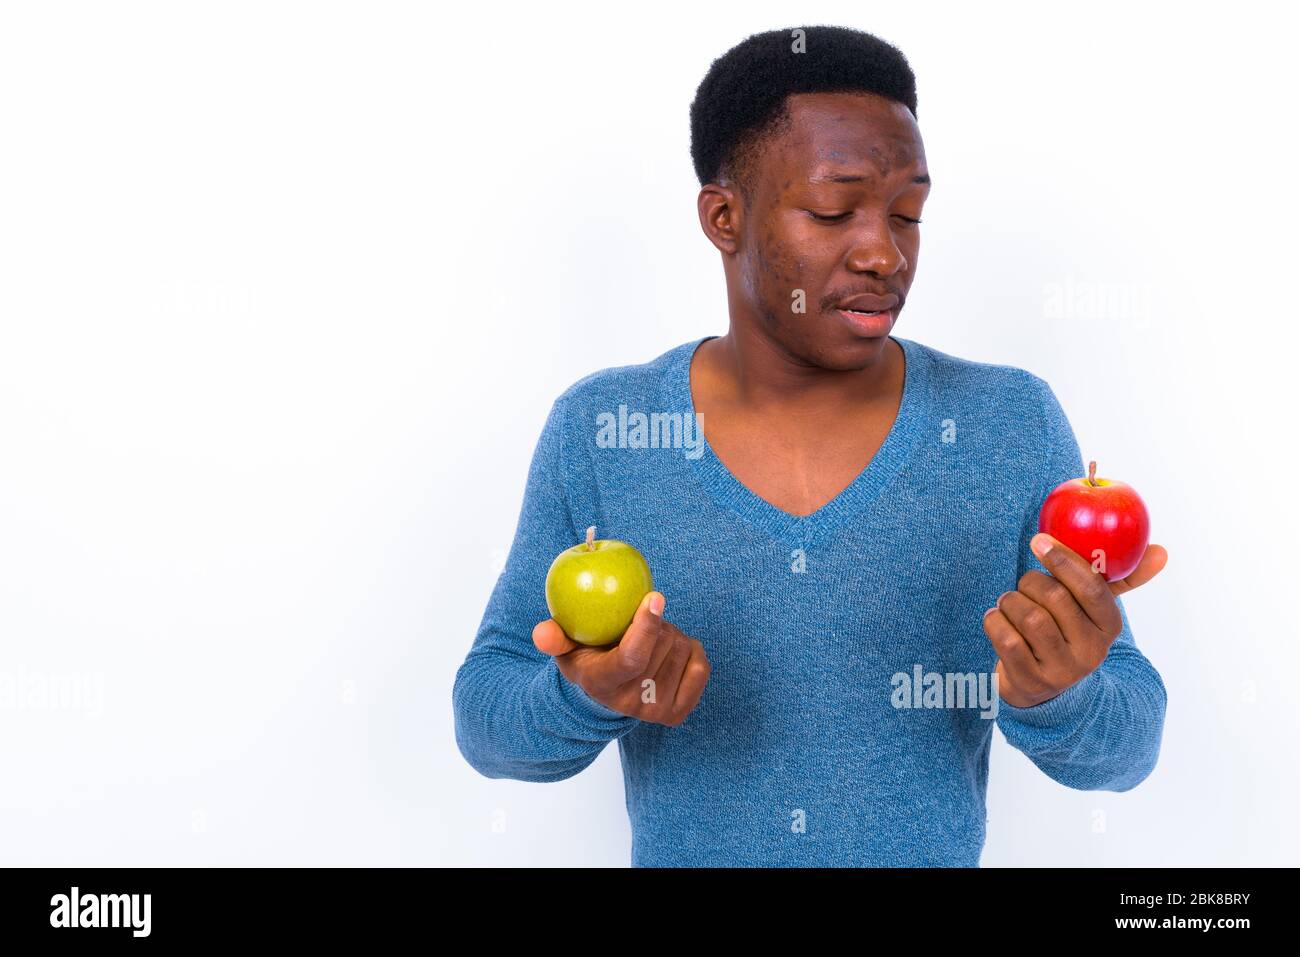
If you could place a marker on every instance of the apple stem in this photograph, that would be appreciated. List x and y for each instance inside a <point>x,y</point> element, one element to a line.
<point>1092,473</point>
<point>591,536</point>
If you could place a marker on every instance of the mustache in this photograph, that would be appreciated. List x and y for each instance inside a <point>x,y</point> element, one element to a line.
<point>830,302</point>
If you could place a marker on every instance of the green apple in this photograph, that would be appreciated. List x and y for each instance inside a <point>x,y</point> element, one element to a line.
<point>594,589</point>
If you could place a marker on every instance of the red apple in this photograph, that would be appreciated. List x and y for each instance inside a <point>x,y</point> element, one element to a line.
<point>1103,520</point>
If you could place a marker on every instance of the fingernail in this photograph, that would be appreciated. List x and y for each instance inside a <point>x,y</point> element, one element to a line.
<point>1041,544</point>
<point>656,603</point>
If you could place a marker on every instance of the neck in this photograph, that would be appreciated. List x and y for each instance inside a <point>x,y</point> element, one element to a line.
<point>756,371</point>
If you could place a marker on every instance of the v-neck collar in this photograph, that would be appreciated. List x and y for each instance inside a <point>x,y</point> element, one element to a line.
<point>909,425</point>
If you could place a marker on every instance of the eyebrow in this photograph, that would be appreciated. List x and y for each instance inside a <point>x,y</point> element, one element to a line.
<point>922,180</point>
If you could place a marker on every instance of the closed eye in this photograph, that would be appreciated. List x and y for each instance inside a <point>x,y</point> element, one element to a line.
<point>839,217</point>
<point>830,218</point>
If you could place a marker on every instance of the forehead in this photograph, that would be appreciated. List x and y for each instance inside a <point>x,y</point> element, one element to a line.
<point>836,132</point>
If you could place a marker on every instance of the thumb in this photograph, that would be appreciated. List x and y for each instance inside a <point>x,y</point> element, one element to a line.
<point>550,638</point>
<point>1152,564</point>
<point>632,656</point>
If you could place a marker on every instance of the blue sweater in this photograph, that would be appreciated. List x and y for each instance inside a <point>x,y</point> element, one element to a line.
<point>834,730</point>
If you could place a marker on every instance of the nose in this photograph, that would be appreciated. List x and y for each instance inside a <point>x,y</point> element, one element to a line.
<point>874,251</point>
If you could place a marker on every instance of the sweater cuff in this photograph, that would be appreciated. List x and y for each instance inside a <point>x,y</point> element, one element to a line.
<point>581,708</point>
<point>1066,708</point>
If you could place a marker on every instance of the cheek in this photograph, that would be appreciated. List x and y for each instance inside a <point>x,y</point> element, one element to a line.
<point>784,266</point>
<point>787,256</point>
<point>780,274</point>
<point>784,261</point>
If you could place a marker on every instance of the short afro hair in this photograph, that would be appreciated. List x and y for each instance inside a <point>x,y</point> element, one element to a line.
<point>742,99</point>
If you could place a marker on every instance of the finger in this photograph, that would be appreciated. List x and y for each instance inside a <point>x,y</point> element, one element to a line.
<point>1035,624</point>
<point>666,643</point>
<point>669,675</point>
<point>694,678</point>
<point>635,651</point>
<point>1072,571</point>
<point>1017,660</point>
<point>1153,562</point>
<point>550,638</point>
<point>662,648</point>
<point>674,663</point>
<point>1073,623</point>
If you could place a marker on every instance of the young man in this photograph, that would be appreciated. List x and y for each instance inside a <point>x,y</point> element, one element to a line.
<point>846,554</point>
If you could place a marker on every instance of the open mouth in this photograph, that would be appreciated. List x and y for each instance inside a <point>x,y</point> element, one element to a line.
<point>869,324</point>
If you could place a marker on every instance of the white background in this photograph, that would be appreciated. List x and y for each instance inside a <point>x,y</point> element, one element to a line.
<point>287,289</point>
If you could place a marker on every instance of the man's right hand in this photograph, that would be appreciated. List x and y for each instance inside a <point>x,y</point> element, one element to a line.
<point>654,673</point>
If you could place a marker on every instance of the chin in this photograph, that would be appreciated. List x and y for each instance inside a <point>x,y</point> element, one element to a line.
<point>830,345</point>
<point>849,356</point>
<point>850,352</point>
<point>858,362</point>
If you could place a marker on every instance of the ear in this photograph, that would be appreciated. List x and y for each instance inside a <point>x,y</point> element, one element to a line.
<point>720,211</point>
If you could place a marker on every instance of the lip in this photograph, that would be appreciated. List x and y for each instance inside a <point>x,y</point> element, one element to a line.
<point>870,326</point>
<point>866,302</point>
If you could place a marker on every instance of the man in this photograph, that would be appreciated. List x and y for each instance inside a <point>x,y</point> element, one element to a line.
<point>854,533</point>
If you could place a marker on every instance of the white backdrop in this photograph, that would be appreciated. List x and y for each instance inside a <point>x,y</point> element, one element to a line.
<point>286,291</point>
